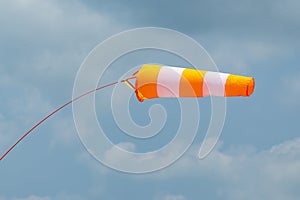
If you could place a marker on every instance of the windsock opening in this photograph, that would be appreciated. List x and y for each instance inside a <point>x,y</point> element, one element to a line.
<point>251,86</point>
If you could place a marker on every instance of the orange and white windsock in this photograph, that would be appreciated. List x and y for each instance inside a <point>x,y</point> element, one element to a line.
<point>156,81</point>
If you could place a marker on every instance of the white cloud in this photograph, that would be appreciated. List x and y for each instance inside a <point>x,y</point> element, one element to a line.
<point>20,111</point>
<point>112,155</point>
<point>172,197</point>
<point>37,197</point>
<point>33,197</point>
<point>242,55</point>
<point>51,37</point>
<point>42,46</point>
<point>242,172</point>
<point>63,132</point>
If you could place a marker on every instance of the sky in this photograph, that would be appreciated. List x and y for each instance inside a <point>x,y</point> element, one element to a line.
<point>42,46</point>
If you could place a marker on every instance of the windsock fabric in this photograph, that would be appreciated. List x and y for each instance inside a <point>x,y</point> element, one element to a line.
<point>156,81</point>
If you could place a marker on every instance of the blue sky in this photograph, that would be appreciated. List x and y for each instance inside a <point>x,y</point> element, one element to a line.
<point>42,45</point>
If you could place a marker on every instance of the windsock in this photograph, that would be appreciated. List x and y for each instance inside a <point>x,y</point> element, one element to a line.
<point>157,81</point>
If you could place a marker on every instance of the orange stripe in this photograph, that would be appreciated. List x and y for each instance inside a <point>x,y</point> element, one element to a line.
<point>191,83</point>
<point>239,86</point>
<point>146,82</point>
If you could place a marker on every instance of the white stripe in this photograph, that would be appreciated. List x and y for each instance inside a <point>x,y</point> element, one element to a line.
<point>214,84</point>
<point>168,81</point>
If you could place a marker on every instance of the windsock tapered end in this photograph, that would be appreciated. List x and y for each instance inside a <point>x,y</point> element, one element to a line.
<point>239,86</point>
<point>251,86</point>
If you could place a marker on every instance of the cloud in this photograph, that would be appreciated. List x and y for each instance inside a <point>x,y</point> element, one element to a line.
<point>64,132</point>
<point>243,56</point>
<point>237,172</point>
<point>113,155</point>
<point>42,46</point>
<point>37,197</point>
<point>172,197</point>
<point>50,39</point>
<point>240,36</point>
<point>33,197</point>
<point>20,110</point>
<point>243,172</point>
<point>231,17</point>
<point>289,87</point>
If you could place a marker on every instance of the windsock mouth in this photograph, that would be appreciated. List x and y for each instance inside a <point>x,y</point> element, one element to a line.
<point>139,95</point>
<point>250,87</point>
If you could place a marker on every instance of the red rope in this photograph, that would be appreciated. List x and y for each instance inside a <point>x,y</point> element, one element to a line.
<point>55,111</point>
